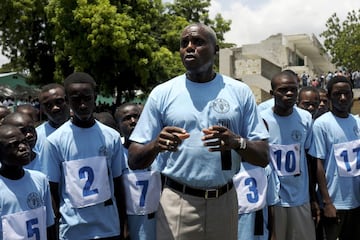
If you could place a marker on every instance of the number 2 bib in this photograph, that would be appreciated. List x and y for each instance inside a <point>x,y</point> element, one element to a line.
<point>285,159</point>
<point>87,181</point>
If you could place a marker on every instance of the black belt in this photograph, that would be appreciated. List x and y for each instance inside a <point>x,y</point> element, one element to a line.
<point>209,193</point>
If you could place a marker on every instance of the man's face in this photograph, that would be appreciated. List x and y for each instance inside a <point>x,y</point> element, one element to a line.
<point>16,150</point>
<point>285,92</point>
<point>197,49</point>
<point>54,106</point>
<point>81,99</point>
<point>127,120</point>
<point>324,103</point>
<point>341,97</point>
<point>26,125</point>
<point>309,101</point>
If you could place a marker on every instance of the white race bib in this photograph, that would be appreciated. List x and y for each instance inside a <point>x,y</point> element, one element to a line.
<point>285,159</point>
<point>29,224</point>
<point>251,186</point>
<point>87,181</point>
<point>347,157</point>
<point>142,191</point>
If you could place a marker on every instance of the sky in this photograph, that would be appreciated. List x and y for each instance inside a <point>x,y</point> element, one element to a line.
<point>256,20</point>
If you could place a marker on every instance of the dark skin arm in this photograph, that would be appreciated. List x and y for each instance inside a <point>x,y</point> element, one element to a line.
<point>312,169</point>
<point>219,138</point>
<point>141,156</point>
<point>120,203</point>
<point>51,232</point>
<point>329,208</point>
<point>271,223</point>
<point>216,138</point>
<point>54,189</point>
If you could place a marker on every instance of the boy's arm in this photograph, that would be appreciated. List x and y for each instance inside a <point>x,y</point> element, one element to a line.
<point>120,203</point>
<point>54,189</point>
<point>329,208</point>
<point>51,232</point>
<point>312,171</point>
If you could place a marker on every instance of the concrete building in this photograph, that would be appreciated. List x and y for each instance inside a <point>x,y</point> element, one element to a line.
<point>255,64</point>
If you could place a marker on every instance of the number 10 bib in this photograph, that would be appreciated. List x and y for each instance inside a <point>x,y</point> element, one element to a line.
<point>285,159</point>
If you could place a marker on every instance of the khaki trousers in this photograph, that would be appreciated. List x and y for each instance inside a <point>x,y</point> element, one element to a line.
<point>186,217</point>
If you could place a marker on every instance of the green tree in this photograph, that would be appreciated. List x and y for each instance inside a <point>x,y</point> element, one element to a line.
<point>342,40</point>
<point>25,36</point>
<point>125,45</point>
<point>115,43</point>
<point>198,11</point>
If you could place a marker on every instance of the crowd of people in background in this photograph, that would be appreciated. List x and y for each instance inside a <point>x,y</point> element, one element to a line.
<point>321,80</point>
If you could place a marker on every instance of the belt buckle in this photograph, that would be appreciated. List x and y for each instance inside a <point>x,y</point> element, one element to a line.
<point>211,191</point>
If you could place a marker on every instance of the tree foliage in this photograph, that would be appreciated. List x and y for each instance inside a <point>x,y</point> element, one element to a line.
<point>26,37</point>
<point>342,40</point>
<point>124,44</point>
<point>198,11</point>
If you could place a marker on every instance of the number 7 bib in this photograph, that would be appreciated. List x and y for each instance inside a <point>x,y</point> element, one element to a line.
<point>87,181</point>
<point>142,191</point>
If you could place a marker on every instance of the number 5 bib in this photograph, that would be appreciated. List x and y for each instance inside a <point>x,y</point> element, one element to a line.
<point>87,181</point>
<point>29,224</point>
<point>347,157</point>
<point>285,159</point>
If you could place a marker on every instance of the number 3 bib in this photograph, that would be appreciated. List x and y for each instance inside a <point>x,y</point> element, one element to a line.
<point>251,185</point>
<point>87,181</point>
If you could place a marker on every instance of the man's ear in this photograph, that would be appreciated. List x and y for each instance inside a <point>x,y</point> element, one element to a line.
<point>216,49</point>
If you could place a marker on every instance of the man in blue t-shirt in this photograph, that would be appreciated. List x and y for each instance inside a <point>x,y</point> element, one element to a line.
<point>335,145</point>
<point>200,124</point>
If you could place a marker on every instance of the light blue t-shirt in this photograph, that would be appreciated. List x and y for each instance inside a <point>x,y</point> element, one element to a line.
<point>286,130</point>
<point>327,131</point>
<point>42,131</point>
<point>266,104</point>
<point>141,227</point>
<point>195,106</point>
<point>30,192</point>
<point>70,143</point>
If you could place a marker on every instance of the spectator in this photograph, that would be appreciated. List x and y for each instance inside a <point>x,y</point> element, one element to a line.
<point>26,210</point>
<point>290,135</point>
<point>82,149</point>
<point>309,99</point>
<point>53,105</point>
<point>335,142</point>
<point>26,125</point>
<point>142,187</point>
<point>3,112</point>
<point>324,103</point>
<point>30,110</point>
